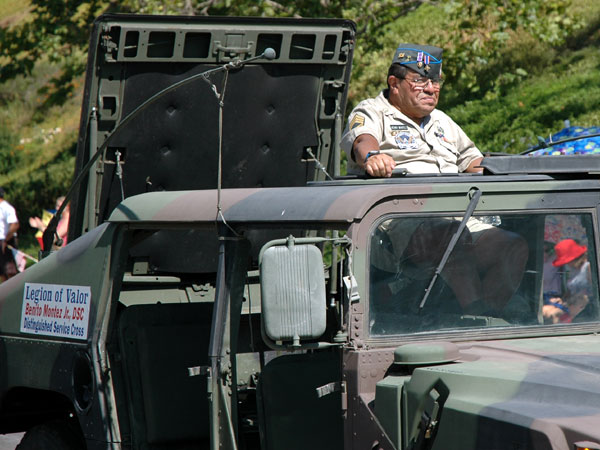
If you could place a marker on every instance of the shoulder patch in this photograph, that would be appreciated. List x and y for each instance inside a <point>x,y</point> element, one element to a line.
<point>357,121</point>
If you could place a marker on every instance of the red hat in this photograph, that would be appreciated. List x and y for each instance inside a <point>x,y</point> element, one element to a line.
<point>566,251</point>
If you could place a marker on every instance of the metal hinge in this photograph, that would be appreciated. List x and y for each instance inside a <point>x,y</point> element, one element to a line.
<point>228,52</point>
<point>335,84</point>
<point>351,288</point>
<point>335,386</point>
<point>198,370</point>
<point>109,46</point>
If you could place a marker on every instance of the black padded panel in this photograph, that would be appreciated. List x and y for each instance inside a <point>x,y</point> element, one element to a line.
<point>273,111</point>
<point>167,405</point>
<point>293,380</point>
<point>264,135</point>
<point>195,251</point>
<point>263,142</point>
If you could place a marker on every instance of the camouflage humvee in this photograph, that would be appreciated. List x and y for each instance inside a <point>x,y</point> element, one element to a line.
<point>218,293</point>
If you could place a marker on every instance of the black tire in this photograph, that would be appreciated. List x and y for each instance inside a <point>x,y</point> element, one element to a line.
<point>58,435</point>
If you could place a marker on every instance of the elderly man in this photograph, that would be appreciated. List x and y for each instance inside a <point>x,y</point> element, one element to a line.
<point>401,127</point>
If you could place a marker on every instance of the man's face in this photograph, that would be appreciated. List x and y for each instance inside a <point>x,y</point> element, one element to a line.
<point>413,101</point>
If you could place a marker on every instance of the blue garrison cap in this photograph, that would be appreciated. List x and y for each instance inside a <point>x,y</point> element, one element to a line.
<point>423,59</point>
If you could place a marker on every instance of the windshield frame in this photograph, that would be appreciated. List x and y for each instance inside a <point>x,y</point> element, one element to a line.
<point>483,333</point>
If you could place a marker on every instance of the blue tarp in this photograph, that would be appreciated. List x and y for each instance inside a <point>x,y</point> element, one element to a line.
<point>575,147</point>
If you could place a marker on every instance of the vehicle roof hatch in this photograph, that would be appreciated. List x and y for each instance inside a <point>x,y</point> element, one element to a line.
<point>281,117</point>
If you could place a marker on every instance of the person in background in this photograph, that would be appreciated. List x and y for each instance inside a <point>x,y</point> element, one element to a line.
<point>552,274</point>
<point>576,288</point>
<point>62,227</point>
<point>9,224</point>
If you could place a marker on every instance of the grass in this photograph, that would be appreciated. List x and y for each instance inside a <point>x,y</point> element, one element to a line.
<point>11,11</point>
<point>38,165</point>
<point>569,90</point>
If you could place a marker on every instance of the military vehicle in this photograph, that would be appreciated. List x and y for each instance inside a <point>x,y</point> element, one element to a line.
<point>217,291</point>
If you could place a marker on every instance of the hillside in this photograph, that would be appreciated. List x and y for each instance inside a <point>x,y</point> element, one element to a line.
<point>39,122</point>
<point>12,11</point>
<point>37,147</point>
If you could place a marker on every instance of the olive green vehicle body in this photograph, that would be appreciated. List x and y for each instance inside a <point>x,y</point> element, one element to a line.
<point>189,346</point>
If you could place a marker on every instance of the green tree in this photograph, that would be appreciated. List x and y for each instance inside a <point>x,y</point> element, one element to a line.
<point>57,30</point>
<point>479,43</point>
<point>475,33</point>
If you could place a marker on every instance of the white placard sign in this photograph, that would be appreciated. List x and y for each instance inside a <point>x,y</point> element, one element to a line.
<point>56,310</point>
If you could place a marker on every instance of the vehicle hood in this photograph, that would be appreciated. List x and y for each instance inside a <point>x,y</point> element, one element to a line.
<point>544,390</point>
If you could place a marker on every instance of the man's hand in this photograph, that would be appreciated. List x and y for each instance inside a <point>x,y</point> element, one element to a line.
<point>380,165</point>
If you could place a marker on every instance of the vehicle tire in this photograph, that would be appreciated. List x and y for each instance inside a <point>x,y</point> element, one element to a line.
<point>58,435</point>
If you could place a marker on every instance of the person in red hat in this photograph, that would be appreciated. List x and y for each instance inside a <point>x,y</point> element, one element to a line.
<point>572,257</point>
<point>568,251</point>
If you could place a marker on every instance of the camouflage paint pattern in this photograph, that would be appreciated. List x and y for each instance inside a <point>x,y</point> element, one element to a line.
<point>344,202</point>
<point>541,388</point>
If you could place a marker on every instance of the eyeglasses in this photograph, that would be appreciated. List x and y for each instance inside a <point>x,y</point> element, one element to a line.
<point>422,82</point>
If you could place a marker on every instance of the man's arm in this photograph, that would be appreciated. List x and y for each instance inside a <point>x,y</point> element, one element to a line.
<point>12,229</point>
<point>473,166</point>
<point>379,165</point>
<point>466,148</point>
<point>63,226</point>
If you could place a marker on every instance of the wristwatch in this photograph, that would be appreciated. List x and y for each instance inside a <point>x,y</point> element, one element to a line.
<point>374,152</point>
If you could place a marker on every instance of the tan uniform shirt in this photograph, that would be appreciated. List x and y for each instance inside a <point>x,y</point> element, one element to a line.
<point>440,146</point>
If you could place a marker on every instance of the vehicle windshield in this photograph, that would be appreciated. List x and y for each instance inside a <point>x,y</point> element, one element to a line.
<point>504,270</point>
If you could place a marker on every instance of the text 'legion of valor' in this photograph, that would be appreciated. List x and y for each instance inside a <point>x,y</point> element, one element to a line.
<point>56,310</point>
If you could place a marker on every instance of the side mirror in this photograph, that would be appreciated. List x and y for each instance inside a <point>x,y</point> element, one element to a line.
<point>292,281</point>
